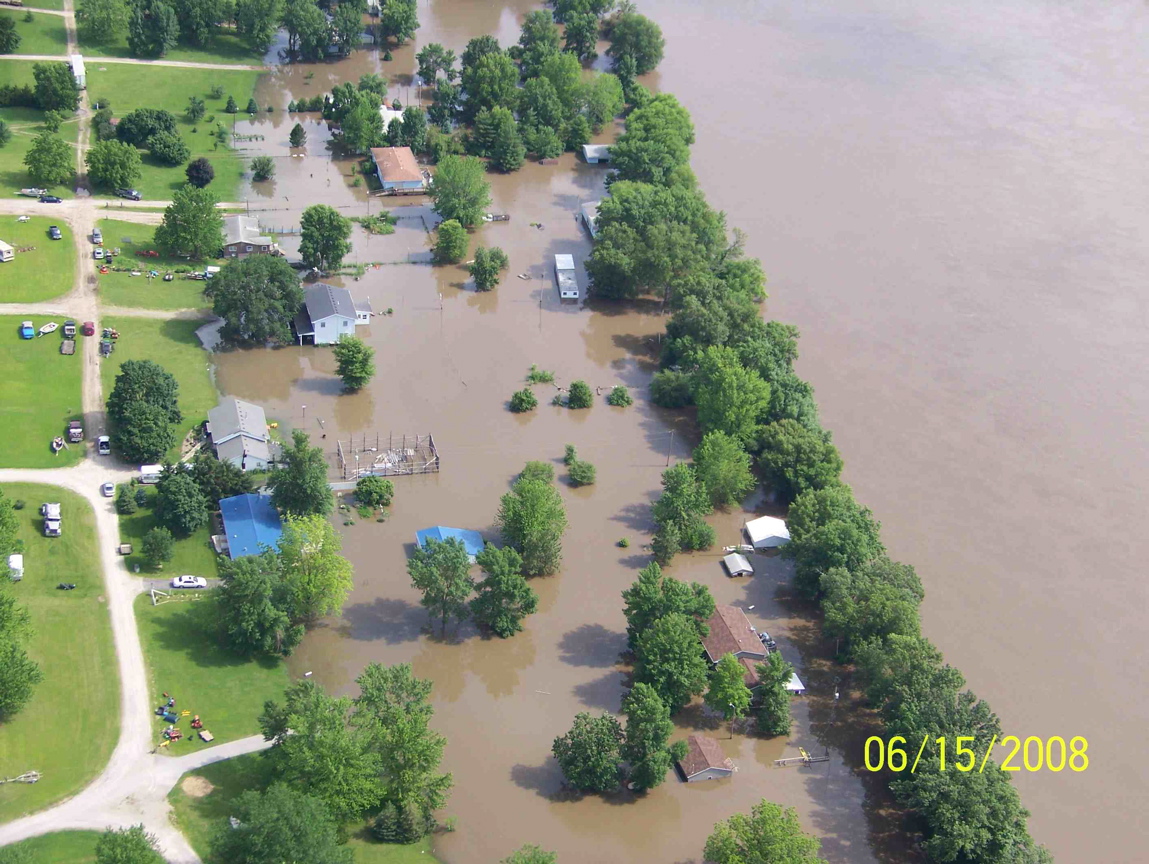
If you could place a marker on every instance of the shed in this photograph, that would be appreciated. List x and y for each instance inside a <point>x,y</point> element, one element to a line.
<point>472,540</point>
<point>78,72</point>
<point>596,153</point>
<point>795,685</point>
<point>397,170</point>
<point>767,532</point>
<point>16,567</point>
<point>737,565</point>
<point>589,212</point>
<point>730,632</point>
<point>7,253</point>
<point>704,760</point>
<point>242,237</point>
<point>565,276</point>
<point>250,523</point>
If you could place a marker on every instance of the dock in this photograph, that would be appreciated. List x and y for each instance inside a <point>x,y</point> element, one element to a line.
<point>804,759</point>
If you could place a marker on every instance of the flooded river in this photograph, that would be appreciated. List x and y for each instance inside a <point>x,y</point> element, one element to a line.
<point>947,202</point>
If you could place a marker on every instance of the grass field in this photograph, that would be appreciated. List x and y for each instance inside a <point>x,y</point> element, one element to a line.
<point>44,35</point>
<point>68,729</point>
<point>185,659</point>
<point>139,292</point>
<point>170,88</point>
<point>75,847</point>
<point>45,272</point>
<point>198,818</point>
<point>26,125</point>
<point>225,47</point>
<point>45,4</point>
<point>39,395</point>
<point>174,345</point>
<point>193,555</point>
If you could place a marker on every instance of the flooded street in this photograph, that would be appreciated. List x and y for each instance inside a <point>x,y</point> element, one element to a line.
<point>948,204</point>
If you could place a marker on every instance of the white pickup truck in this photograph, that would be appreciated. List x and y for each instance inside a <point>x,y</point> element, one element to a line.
<point>51,514</point>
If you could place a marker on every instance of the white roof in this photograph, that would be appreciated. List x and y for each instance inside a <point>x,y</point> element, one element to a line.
<point>795,685</point>
<point>5,246</point>
<point>16,561</point>
<point>151,469</point>
<point>736,564</point>
<point>77,64</point>
<point>596,151</point>
<point>767,531</point>
<point>564,262</point>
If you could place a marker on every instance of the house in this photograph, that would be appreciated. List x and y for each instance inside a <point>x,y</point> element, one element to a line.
<point>238,430</point>
<point>388,114</point>
<point>79,73</point>
<point>250,524</point>
<point>737,565</point>
<point>242,237</point>
<point>596,153</point>
<point>565,277</point>
<point>589,212</point>
<point>731,633</point>
<point>767,532</point>
<point>398,171</point>
<point>795,685</point>
<point>704,760</point>
<point>328,313</point>
<point>472,540</point>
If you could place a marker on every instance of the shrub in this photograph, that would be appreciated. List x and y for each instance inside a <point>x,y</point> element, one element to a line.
<point>364,512</point>
<point>262,168</point>
<point>231,107</point>
<point>216,92</point>
<point>374,492</point>
<point>624,543</point>
<point>540,376</point>
<point>671,389</point>
<point>570,455</point>
<point>252,107</point>
<point>399,824</point>
<point>524,400</point>
<point>580,395</point>
<point>125,502</point>
<point>538,471</point>
<point>158,547</point>
<point>619,397</point>
<point>19,504</point>
<point>581,473</point>
<point>142,496</point>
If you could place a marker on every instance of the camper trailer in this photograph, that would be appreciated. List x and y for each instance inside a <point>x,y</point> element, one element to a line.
<point>150,473</point>
<point>7,253</point>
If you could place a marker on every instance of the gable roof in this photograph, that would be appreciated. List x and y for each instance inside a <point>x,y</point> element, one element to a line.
<point>233,417</point>
<point>323,301</point>
<point>396,164</point>
<point>704,754</point>
<point>238,228</point>
<point>238,446</point>
<point>250,523</point>
<point>731,633</point>
<point>472,540</point>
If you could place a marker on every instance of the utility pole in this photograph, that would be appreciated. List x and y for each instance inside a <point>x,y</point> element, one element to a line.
<point>669,448</point>
<point>733,714</point>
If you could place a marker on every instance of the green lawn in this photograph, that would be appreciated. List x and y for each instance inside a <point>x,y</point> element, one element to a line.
<point>25,124</point>
<point>170,88</point>
<point>193,555</point>
<point>44,272</point>
<point>140,292</point>
<point>44,35</point>
<point>174,345</point>
<point>198,818</point>
<point>75,847</point>
<point>39,395</point>
<point>185,659</point>
<point>45,4</point>
<point>226,47</point>
<point>68,729</point>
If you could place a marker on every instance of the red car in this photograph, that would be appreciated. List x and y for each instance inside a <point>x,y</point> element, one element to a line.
<point>88,328</point>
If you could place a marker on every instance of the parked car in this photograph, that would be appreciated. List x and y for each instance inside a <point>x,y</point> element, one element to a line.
<point>50,199</point>
<point>189,582</point>
<point>54,232</point>
<point>109,489</point>
<point>104,445</point>
<point>51,514</point>
<point>89,328</point>
<point>130,194</point>
<point>27,331</point>
<point>69,329</point>
<point>97,237</point>
<point>98,254</point>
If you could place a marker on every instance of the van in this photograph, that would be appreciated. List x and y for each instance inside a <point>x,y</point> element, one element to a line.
<point>150,473</point>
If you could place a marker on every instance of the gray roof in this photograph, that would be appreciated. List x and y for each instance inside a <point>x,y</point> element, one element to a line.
<point>324,300</point>
<point>236,417</point>
<point>240,446</point>
<point>238,228</point>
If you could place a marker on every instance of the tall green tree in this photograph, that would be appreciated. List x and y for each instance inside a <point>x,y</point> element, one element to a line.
<point>251,607</point>
<point>257,21</point>
<point>459,190</point>
<point>180,505</point>
<point>317,576</point>
<point>722,466</point>
<point>414,128</point>
<point>324,233</point>
<point>143,434</point>
<point>300,487</point>
<point>828,528</point>
<point>355,362</point>
<point>486,267</point>
<point>533,520</point>
<point>540,39</point>
<point>433,59</point>
<point>192,227</point>
<point>101,21</point>
<point>169,149</point>
<point>773,715</point>
<point>508,151</point>
<point>113,164</point>
<point>19,674</point>
<point>128,846</point>
<point>347,27</point>
<point>503,598</point>
<point>144,381</point>
<point>9,38</point>
<point>308,30</point>
<point>219,478</point>
<point>55,87</point>
<point>727,692</point>
<point>398,20</point>
<point>581,36</point>
<point>636,36</point>
<point>795,459</point>
<point>450,243</point>
<point>256,297</point>
<point>442,572</point>
<point>669,659</point>
<point>655,595</point>
<point>769,835</point>
<point>589,753</point>
<point>9,527</point>
<point>50,161</point>
<point>136,127</point>
<point>493,81</point>
<point>298,136</point>
<point>647,746</point>
<point>153,28</point>
<point>873,601</point>
<point>276,825</point>
<point>730,398</point>
<point>681,508</point>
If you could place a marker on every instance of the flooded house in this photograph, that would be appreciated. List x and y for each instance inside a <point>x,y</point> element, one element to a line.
<point>767,532</point>
<point>589,213</point>
<point>328,313</point>
<point>242,237</point>
<point>596,153</point>
<point>704,760</point>
<point>399,173</point>
<point>238,431</point>
<point>250,524</point>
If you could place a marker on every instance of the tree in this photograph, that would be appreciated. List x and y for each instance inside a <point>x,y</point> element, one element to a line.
<point>158,547</point>
<point>153,28</point>
<point>655,595</point>
<point>727,692</point>
<point>444,103</point>
<point>355,362</point>
<point>539,40</point>
<point>395,132</point>
<point>256,297</point>
<point>414,128</point>
<point>258,20</point>
<point>582,36</point>
<point>9,527</point>
<point>347,27</point>
<point>192,226</point>
<point>218,478</point>
<point>538,471</point>
<point>492,81</point>
<point>565,74</point>
<point>125,501</point>
<point>619,397</point>
<point>19,674</point>
<point>669,659</point>
<point>374,492</point>
<point>298,136</point>
<point>580,395</point>
<point>647,745</point>
<point>143,433</point>
<point>795,458</point>
<point>730,398</point>
<point>477,49</point>
<point>398,20</point>
<point>432,60</point>
<point>251,606</point>
<point>459,190</point>
<point>300,486</point>
<point>530,854</point>
<point>113,164</point>
<point>308,31</point>
<point>50,161</point>
<point>682,506</point>
<point>147,382</point>
<point>873,601</point>
<point>277,825</point>
<point>169,149</point>
<point>655,148</point>
<point>5,133</point>
<point>589,753</point>
<point>581,473</point>
<point>55,87</point>
<point>524,400</point>
<point>231,107</point>
<point>546,143</point>
<point>578,133</point>
<point>451,243</point>
<point>180,505</point>
<point>636,36</point>
<point>138,126</point>
<point>508,151</point>
<point>323,237</point>
<point>723,468</point>
<point>828,528</point>
<point>769,835</point>
<point>532,520</point>
<point>53,120</point>
<point>671,388</point>
<point>9,38</point>
<point>128,846</point>
<point>442,572</point>
<point>316,575</point>
<point>503,598</point>
<point>486,266</point>
<point>262,168</point>
<point>200,172</point>
<point>197,108</point>
<point>774,711</point>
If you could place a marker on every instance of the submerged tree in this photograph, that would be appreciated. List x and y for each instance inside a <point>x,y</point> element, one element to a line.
<point>503,598</point>
<point>441,570</point>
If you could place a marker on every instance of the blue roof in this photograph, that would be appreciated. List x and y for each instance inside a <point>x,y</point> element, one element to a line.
<point>250,523</point>
<point>472,540</point>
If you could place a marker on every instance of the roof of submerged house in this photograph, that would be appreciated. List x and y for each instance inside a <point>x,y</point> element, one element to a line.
<point>396,164</point>
<point>731,633</point>
<point>238,228</point>
<point>472,540</point>
<point>323,301</point>
<point>704,754</point>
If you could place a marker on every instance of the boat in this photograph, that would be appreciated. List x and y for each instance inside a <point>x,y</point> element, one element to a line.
<point>33,193</point>
<point>57,444</point>
<point>50,327</point>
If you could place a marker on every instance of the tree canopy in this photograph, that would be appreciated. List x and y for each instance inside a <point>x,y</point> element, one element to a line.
<point>324,237</point>
<point>589,753</point>
<point>131,845</point>
<point>113,164</point>
<point>50,160</point>
<point>533,520</point>
<point>441,571</point>
<point>276,825</point>
<point>646,746</point>
<point>299,486</point>
<point>873,601</point>
<point>636,36</point>
<point>669,658</point>
<point>256,297</point>
<point>655,595</point>
<point>55,87</point>
<point>503,598</point>
<point>180,505</point>
<point>796,458</point>
<point>19,674</point>
<point>722,467</point>
<point>192,225</point>
<point>316,575</point>
<point>828,529</point>
<point>679,512</point>
<point>252,608</point>
<point>769,835</point>
<point>354,362</point>
<point>459,190</point>
<point>727,692</point>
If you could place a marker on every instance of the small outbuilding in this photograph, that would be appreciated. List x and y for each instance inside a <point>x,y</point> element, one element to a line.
<point>565,277</point>
<point>16,567</point>
<point>472,540</point>
<point>242,237</point>
<point>795,685</point>
<point>596,153</point>
<point>78,72</point>
<point>704,760</point>
<point>250,524</point>
<point>767,532</point>
<point>737,565</point>
<point>589,212</point>
<point>398,171</point>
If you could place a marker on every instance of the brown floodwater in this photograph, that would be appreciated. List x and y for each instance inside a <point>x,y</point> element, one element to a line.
<point>947,203</point>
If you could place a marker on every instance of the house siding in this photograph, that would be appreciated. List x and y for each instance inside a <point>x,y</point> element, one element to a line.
<point>329,329</point>
<point>709,774</point>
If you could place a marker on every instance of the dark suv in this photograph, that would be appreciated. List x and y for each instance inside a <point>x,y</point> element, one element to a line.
<point>54,232</point>
<point>130,194</point>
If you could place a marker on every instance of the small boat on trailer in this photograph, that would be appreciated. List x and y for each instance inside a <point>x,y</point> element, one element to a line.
<point>33,192</point>
<point>50,327</point>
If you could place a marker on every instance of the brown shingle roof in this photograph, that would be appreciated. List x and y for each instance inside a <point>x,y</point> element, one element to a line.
<point>731,633</point>
<point>702,754</point>
<point>750,679</point>
<point>396,164</point>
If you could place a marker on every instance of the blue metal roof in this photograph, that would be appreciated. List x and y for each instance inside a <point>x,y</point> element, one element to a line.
<point>250,523</point>
<point>472,540</point>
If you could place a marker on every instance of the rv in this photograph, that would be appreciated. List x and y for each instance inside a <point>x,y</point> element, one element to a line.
<point>7,253</point>
<point>150,473</point>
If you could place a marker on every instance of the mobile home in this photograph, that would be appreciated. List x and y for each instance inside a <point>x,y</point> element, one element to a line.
<point>565,276</point>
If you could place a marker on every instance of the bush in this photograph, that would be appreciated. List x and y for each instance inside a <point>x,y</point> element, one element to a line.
<point>168,148</point>
<point>262,168</point>
<point>374,492</point>
<point>451,245</point>
<point>524,400</point>
<point>580,395</point>
<point>540,376</point>
<point>624,543</point>
<point>252,107</point>
<point>399,824</point>
<point>158,547</point>
<point>142,496</point>
<point>619,397</point>
<point>538,471</point>
<point>125,502</point>
<point>671,389</point>
<point>570,455</point>
<point>216,92</point>
<point>19,504</point>
<point>581,473</point>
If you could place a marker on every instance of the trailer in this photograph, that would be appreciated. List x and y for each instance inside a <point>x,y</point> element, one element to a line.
<point>565,277</point>
<point>75,432</point>
<point>68,346</point>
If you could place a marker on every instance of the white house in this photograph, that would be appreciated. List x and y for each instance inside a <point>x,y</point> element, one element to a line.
<point>589,212</point>
<point>767,532</point>
<point>328,313</point>
<point>565,276</point>
<point>737,565</point>
<point>596,153</point>
<point>238,431</point>
<point>78,72</point>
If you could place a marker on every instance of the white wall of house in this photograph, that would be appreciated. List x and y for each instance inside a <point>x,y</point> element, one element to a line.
<point>329,329</point>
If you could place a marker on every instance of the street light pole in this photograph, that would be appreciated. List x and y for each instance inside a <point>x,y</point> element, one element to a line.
<point>733,713</point>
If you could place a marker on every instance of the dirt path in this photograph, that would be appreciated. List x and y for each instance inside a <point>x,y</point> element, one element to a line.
<point>182,64</point>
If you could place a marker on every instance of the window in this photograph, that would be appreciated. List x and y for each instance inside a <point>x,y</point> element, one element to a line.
<point>322,323</point>
<point>248,248</point>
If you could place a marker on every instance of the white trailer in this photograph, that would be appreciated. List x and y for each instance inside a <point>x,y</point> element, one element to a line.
<point>565,276</point>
